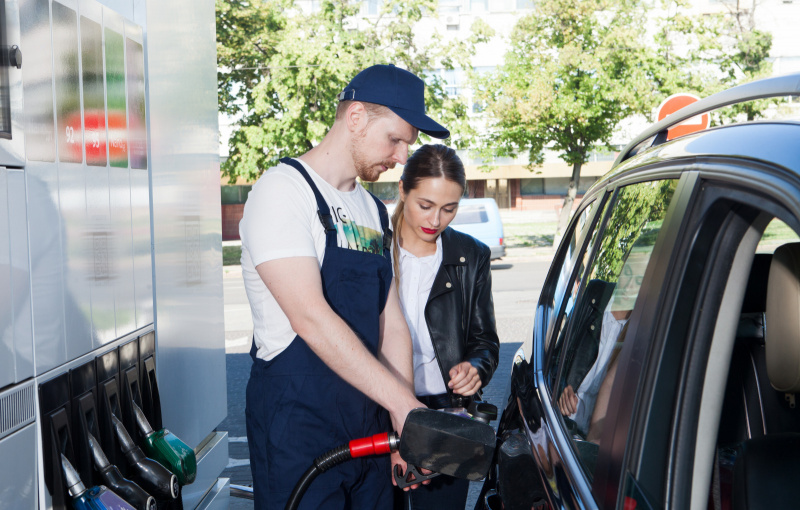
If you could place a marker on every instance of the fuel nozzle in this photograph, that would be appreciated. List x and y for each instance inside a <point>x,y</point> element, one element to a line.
<point>152,476</point>
<point>167,449</point>
<point>447,443</point>
<point>74,483</point>
<point>97,498</point>
<point>129,490</point>
<point>482,411</point>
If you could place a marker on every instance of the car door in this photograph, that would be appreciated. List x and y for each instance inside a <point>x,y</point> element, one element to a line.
<point>588,306</point>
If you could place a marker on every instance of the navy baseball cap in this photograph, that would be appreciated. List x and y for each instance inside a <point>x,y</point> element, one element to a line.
<point>397,89</point>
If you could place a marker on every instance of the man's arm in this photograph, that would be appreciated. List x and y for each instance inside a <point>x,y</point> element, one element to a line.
<point>296,285</point>
<point>395,350</point>
<point>396,354</point>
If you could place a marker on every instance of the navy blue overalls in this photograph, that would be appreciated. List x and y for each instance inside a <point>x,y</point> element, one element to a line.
<point>298,408</point>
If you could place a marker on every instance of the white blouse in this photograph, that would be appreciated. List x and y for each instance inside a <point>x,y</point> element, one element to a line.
<point>416,279</point>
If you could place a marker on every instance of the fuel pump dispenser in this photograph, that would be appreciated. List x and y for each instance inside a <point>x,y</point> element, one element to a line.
<point>454,442</point>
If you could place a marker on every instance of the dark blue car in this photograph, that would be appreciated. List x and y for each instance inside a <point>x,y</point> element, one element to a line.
<point>665,364</point>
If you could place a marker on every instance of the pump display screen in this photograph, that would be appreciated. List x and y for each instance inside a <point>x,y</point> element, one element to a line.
<point>115,88</point>
<point>136,104</point>
<point>37,81</point>
<point>94,108</point>
<point>68,99</point>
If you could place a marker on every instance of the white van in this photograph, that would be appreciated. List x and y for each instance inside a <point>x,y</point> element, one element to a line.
<point>480,218</point>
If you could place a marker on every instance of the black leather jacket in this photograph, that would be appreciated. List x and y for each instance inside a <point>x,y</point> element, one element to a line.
<point>460,309</point>
<point>585,344</point>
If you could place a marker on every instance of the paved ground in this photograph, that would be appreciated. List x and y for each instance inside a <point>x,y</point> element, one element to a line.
<point>517,281</point>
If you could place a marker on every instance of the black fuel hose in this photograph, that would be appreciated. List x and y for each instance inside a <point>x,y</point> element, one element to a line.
<point>379,444</point>
<point>321,464</point>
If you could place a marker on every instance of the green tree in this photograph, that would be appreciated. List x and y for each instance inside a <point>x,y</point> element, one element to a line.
<point>281,70</point>
<point>709,53</point>
<point>573,71</point>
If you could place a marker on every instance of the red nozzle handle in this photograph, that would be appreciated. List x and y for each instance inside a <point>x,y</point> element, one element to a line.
<point>379,444</point>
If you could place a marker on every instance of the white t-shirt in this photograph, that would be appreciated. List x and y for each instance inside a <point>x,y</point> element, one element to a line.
<point>280,220</point>
<point>416,280</point>
<point>587,392</point>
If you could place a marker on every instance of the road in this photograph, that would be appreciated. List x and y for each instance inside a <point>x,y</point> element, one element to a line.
<point>516,283</point>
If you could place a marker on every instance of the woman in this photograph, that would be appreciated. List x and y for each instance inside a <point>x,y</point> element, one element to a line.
<point>445,284</point>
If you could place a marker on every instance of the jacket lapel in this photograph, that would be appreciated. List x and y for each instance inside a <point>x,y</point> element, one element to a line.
<point>452,256</point>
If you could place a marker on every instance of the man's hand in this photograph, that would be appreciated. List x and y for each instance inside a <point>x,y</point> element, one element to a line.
<point>404,403</point>
<point>399,464</point>
<point>464,379</point>
<point>568,402</point>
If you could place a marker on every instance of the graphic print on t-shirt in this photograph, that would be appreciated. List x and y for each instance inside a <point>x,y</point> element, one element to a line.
<point>362,238</point>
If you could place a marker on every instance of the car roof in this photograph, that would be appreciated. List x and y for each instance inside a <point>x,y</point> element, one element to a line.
<point>771,141</point>
<point>656,134</point>
<point>774,142</point>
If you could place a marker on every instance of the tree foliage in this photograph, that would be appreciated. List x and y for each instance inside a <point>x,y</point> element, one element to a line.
<point>634,225</point>
<point>573,71</point>
<point>705,54</point>
<point>281,70</point>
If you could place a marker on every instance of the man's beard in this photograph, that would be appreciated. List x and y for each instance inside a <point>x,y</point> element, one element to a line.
<point>367,172</point>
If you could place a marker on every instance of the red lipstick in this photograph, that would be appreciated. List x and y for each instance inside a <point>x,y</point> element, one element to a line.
<point>429,230</point>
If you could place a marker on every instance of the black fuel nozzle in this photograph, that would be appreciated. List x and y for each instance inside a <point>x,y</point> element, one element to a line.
<point>129,490</point>
<point>141,420</point>
<point>152,476</point>
<point>448,443</point>
<point>451,443</point>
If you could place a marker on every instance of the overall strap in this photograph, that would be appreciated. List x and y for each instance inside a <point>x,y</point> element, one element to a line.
<point>323,210</point>
<point>387,232</point>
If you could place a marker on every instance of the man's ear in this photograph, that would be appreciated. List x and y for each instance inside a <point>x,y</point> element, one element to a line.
<point>356,116</point>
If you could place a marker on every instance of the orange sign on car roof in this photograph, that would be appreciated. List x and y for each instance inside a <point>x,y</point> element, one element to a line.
<point>674,103</point>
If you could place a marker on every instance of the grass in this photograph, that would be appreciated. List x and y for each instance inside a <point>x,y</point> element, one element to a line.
<point>231,255</point>
<point>535,235</point>
<point>776,234</point>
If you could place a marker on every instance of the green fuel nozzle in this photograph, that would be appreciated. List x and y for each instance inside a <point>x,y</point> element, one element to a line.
<point>129,490</point>
<point>152,476</point>
<point>166,448</point>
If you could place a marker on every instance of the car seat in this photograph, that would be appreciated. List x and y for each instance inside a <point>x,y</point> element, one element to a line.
<point>767,465</point>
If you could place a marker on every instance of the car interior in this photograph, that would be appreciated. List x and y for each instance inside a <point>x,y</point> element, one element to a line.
<point>758,440</point>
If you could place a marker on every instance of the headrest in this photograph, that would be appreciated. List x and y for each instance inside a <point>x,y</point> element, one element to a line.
<point>783,319</point>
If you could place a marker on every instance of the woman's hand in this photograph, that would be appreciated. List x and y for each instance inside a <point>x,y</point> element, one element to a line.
<point>464,379</point>
<point>568,402</point>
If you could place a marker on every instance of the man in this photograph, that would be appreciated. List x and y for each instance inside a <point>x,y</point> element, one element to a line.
<point>331,349</point>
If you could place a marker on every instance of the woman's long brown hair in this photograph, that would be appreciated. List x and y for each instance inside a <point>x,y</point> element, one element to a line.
<point>428,161</point>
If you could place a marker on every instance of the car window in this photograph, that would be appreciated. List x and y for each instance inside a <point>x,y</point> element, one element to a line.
<point>561,301</point>
<point>470,214</point>
<point>776,234</point>
<point>597,325</point>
